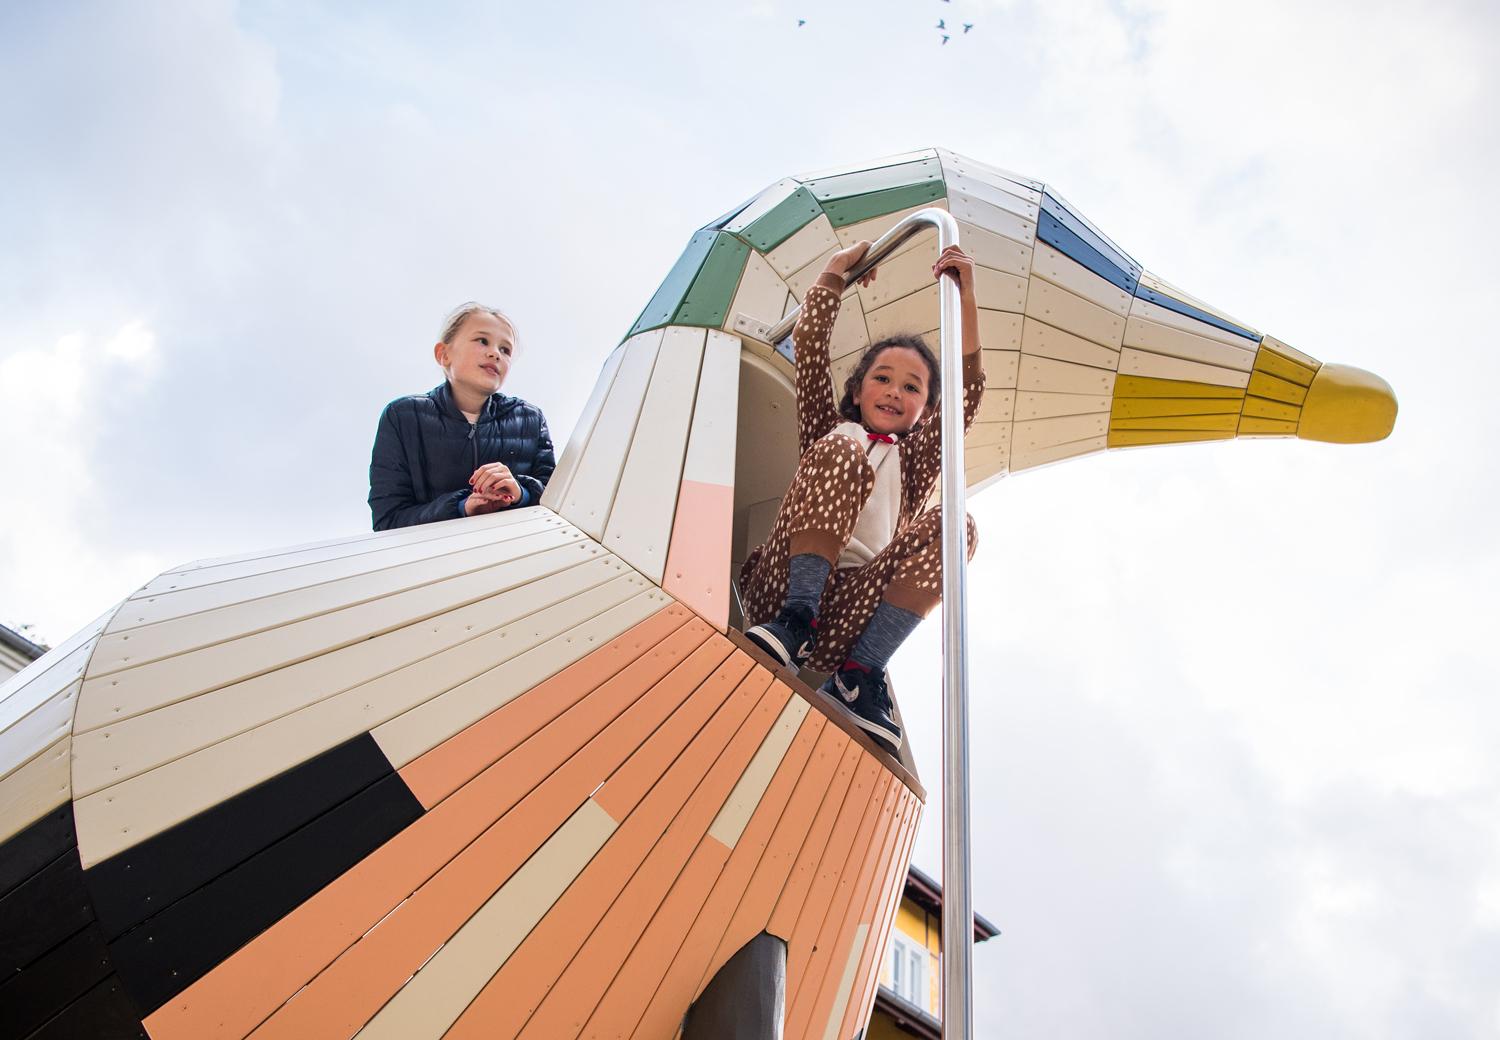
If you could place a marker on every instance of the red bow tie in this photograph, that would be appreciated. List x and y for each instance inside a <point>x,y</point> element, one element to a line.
<point>882,438</point>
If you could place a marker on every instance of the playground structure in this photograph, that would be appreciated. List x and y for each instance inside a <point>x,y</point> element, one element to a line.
<point>519,775</point>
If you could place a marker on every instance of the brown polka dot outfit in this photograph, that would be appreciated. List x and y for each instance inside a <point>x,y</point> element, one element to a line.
<point>832,484</point>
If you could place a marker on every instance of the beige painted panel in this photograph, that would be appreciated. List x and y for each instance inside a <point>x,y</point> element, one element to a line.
<point>874,164</point>
<point>839,371</point>
<point>1151,281</point>
<point>111,698</point>
<point>460,643</point>
<point>1016,183</point>
<point>592,493</point>
<point>850,335</point>
<point>994,250</point>
<point>1135,362</point>
<point>640,519</point>
<point>982,463</point>
<point>1001,370</point>
<point>1033,435</point>
<point>1034,404</point>
<point>987,434</point>
<point>1069,274</point>
<point>802,248</point>
<point>999,330</point>
<point>428,1005</point>
<point>801,280</point>
<point>996,406</point>
<point>568,637</point>
<point>1057,453</point>
<point>1004,193</point>
<point>265,587</point>
<point>1164,339</point>
<point>742,802</point>
<point>561,482</point>
<point>41,727</point>
<point>1305,360</point>
<point>1042,340</point>
<point>973,210</point>
<point>118,817</point>
<point>710,453</point>
<point>33,790</point>
<point>1064,377</point>
<point>846,982</point>
<point>760,294</point>
<point>236,567</point>
<point>40,681</point>
<point>1000,290</point>
<point>140,646</point>
<point>872,229</point>
<point>1162,316</point>
<point>903,274</point>
<point>1072,313</point>
<point>911,313</point>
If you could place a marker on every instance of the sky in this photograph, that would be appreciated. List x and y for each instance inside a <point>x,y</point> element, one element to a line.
<point>1234,712</point>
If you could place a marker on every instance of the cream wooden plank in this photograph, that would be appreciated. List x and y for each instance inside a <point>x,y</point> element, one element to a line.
<point>1034,435</point>
<point>911,313</point>
<point>35,789</point>
<point>980,464</point>
<point>872,164</point>
<point>760,295</point>
<point>1035,404</point>
<point>417,731</point>
<point>810,242</point>
<point>872,229</point>
<point>1136,362</point>
<point>640,518</point>
<point>972,210</point>
<point>1142,308</point>
<point>1151,281</point>
<point>850,334</point>
<point>711,442</point>
<point>118,817</point>
<point>987,434</point>
<point>40,681</point>
<point>140,646</point>
<point>263,587</point>
<point>735,813</point>
<point>592,490</point>
<point>1042,340</point>
<point>1072,313</point>
<point>846,982</point>
<point>561,481</point>
<point>996,406</point>
<point>994,250</point>
<point>1067,273</point>
<point>118,696</point>
<point>1292,353</point>
<point>1006,195</point>
<point>1000,290</point>
<point>288,557</point>
<point>466,641</point>
<point>43,726</point>
<point>1000,330</point>
<point>903,274</point>
<point>1016,183</point>
<point>799,281</point>
<point>1001,370</point>
<point>1057,453</point>
<point>1064,377</point>
<point>428,1005</point>
<point>1164,339</point>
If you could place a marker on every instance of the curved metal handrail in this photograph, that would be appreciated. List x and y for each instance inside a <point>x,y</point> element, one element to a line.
<point>958,904</point>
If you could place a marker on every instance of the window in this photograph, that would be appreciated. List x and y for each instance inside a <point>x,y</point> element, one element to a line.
<point>908,962</point>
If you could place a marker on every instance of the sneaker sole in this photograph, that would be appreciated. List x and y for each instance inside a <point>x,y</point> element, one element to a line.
<point>773,647</point>
<point>891,741</point>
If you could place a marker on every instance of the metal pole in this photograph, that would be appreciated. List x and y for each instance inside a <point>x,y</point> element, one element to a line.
<point>958,903</point>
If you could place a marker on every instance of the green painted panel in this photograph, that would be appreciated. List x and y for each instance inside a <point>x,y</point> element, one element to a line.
<point>762,204</point>
<point>884,178</point>
<point>879,203</point>
<point>708,300</point>
<point>667,299</point>
<point>788,217</point>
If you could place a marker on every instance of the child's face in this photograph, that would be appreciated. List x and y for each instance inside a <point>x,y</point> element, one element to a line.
<point>892,397</point>
<point>479,356</point>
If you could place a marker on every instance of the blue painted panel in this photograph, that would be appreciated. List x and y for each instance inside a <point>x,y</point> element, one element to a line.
<point>664,304</point>
<point>1062,238</point>
<point>1079,227</point>
<point>1171,304</point>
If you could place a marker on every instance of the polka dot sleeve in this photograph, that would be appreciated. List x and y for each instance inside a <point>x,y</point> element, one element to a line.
<point>817,412</point>
<point>922,454</point>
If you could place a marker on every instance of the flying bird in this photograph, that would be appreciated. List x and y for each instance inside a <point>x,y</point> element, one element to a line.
<point>945,39</point>
<point>801,22</point>
<point>967,27</point>
<point>942,23</point>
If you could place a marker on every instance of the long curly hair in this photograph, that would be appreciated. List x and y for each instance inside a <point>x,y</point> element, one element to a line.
<point>849,410</point>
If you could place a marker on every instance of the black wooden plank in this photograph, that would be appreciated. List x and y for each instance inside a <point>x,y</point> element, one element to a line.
<point>50,984</point>
<point>105,1012</point>
<point>170,951</point>
<point>149,877</point>
<point>25,853</point>
<point>43,912</point>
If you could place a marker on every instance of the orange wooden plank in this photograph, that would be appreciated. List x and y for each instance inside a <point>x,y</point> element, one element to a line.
<point>439,772</point>
<point>663,943</point>
<point>581,986</point>
<point>816,983</point>
<point>515,992</point>
<point>241,992</point>
<point>867,980</point>
<point>752,880</point>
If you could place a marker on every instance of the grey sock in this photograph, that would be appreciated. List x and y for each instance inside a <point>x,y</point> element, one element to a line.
<point>804,587</point>
<point>888,628</point>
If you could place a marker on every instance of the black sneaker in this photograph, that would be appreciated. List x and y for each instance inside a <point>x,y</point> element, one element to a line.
<point>865,694</point>
<point>789,638</point>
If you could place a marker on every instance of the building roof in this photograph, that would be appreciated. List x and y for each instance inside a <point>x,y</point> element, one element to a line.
<point>928,894</point>
<point>906,1016</point>
<point>20,644</point>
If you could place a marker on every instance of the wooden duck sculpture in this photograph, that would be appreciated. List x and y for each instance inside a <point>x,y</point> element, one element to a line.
<point>518,775</point>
